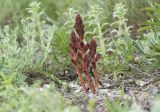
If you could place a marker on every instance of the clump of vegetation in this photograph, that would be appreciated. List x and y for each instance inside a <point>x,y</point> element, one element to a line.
<point>22,47</point>
<point>32,99</point>
<point>122,43</point>
<point>126,106</point>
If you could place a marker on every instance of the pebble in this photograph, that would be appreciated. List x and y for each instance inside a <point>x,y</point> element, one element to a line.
<point>152,89</point>
<point>74,86</point>
<point>78,90</point>
<point>47,86</point>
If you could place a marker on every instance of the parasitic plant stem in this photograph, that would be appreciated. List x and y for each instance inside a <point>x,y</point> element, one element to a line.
<point>83,56</point>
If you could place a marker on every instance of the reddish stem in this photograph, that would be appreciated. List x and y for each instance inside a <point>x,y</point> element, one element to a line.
<point>81,57</point>
<point>90,81</point>
<point>81,78</point>
<point>96,77</point>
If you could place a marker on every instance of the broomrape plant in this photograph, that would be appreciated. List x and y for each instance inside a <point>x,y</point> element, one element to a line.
<point>96,21</point>
<point>95,25</point>
<point>83,56</point>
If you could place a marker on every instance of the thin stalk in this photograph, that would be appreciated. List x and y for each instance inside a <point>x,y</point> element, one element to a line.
<point>81,79</point>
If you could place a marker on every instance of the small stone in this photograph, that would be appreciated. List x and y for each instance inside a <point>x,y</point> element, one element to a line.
<point>103,91</point>
<point>137,60</point>
<point>71,85</point>
<point>47,86</point>
<point>78,90</point>
<point>82,106</point>
<point>141,83</point>
<point>41,89</point>
<point>152,89</point>
<point>90,95</point>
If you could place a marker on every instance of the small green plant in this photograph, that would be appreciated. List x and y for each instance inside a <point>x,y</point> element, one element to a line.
<point>59,50</point>
<point>121,47</point>
<point>91,105</point>
<point>126,106</point>
<point>153,23</point>
<point>116,106</point>
<point>97,23</point>
<point>150,50</point>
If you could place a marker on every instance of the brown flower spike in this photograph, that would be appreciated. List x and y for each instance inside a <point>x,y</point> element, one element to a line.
<point>83,56</point>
